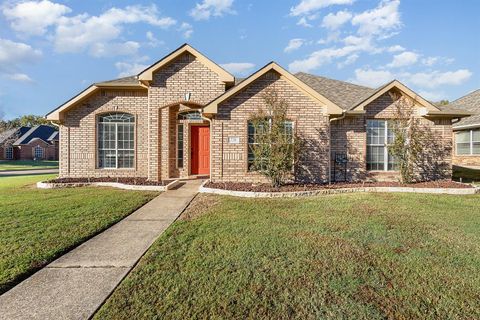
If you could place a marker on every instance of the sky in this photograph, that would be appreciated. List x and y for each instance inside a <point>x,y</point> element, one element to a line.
<point>52,49</point>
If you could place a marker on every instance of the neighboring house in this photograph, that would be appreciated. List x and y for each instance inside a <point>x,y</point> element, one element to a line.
<point>467,131</point>
<point>30,143</point>
<point>185,116</point>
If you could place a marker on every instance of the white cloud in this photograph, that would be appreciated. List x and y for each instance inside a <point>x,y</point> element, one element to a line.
<point>380,20</point>
<point>372,78</point>
<point>350,60</point>
<point>335,20</point>
<point>306,7</point>
<point>187,30</point>
<point>304,23</point>
<point>152,40</point>
<point>395,48</point>
<point>15,53</point>
<point>436,78</point>
<point>21,77</point>
<point>403,59</point>
<point>130,68</point>
<point>97,34</point>
<point>33,17</point>
<point>238,68</point>
<point>430,61</point>
<point>294,44</point>
<point>208,8</point>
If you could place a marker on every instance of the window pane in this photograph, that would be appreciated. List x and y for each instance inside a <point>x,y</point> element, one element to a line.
<point>125,158</point>
<point>476,135</point>
<point>463,148</point>
<point>116,138</point>
<point>375,158</point>
<point>180,146</point>
<point>463,137</point>
<point>476,148</point>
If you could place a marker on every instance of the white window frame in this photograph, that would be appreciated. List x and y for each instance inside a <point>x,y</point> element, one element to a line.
<point>9,152</point>
<point>471,142</point>
<point>255,143</point>
<point>42,152</point>
<point>116,149</point>
<point>384,145</point>
<point>180,128</point>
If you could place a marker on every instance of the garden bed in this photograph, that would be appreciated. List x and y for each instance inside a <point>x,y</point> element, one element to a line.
<point>249,187</point>
<point>121,183</point>
<point>249,190</point>
<point>128,181</point>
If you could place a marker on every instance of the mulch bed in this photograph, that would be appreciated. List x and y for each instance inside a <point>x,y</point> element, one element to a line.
<point>128,181</point>
<point>242,186</point>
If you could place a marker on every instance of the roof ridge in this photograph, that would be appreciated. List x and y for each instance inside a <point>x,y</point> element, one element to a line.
<point>470,93</point>
<point>331,79</point>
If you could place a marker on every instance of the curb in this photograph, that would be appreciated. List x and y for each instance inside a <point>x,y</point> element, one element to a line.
<point>252,194</point>
<point>50,185</point>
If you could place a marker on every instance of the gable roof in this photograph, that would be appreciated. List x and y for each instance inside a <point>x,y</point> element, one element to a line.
<point>344,94</point>
<point>42,132</point>
<point>471,103</point>
<point>147,74</point>
<point>13,133</point>
<point>333,108</point>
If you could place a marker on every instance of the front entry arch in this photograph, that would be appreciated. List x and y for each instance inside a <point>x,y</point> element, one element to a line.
<point>200,150</point>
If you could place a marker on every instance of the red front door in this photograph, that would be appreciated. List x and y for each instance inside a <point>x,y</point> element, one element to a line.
<point>200,142</point>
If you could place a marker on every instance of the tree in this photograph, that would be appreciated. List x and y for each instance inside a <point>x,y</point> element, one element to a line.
<point>23,121</point>
<point>409,135</point>
<point>275,148</point>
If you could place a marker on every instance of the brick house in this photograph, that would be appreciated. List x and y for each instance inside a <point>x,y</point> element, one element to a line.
<point>30,143</point>
<point>186,116</point>
<point>467,131</point>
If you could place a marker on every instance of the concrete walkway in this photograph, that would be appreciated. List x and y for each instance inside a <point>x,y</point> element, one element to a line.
<point>75,285</point>
<point>10,173</point>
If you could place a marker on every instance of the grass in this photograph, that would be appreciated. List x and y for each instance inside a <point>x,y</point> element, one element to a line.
<point>466,174</point>
<point>37,226</point>
<point>16,165</point>
<point>352,256</point>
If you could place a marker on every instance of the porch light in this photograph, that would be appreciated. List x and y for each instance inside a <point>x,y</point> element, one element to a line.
<point>187,96</point>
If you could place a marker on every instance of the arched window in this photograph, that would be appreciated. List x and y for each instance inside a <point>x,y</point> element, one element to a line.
<point>38,153</point>
<point>116,142</point>
<point>190,115</point>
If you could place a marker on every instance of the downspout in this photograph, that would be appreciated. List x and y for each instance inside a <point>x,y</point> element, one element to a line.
<point>344,114</point>
<point>211,131</point>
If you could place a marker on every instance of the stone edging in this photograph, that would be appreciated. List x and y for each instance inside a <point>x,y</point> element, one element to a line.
<point>53,185</point>
<point>252,194</point>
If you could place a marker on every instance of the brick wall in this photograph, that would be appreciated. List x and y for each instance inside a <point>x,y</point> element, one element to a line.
<point>349,136</point>
<point>168,88</point>
<point>78,142</point>
<point>464,160</point>
<point>229,160</point>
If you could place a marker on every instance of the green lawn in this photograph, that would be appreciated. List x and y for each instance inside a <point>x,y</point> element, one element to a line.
<point>352,256</point>
<point>16,165</point>
<point>466,174</point>
<point>36,226</point>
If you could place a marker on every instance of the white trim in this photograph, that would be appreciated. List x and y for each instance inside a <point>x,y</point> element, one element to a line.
<point>467,126</point>
<point>471,142</point>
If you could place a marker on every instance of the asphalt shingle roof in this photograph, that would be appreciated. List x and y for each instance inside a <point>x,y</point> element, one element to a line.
<point>43,132</point>
<point>470,102</point>
<point>344,94</point>
<point>121,81</point>
<point>13,133</point>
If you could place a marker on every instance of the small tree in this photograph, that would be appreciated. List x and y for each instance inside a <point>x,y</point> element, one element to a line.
<point>408,139</point>
<point>275,147</point>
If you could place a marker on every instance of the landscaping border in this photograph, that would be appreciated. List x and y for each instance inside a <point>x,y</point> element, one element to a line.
<point>291,194</point>
<point>56,185</point>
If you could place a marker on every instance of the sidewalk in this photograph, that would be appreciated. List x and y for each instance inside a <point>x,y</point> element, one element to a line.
<point>10,173</point>
<point>75,285</point>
